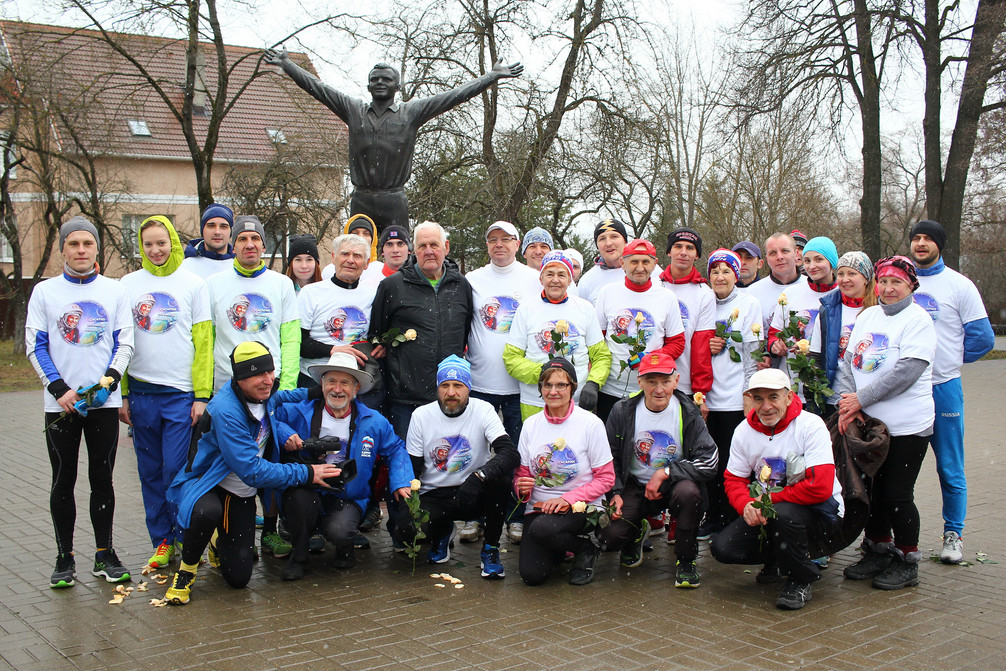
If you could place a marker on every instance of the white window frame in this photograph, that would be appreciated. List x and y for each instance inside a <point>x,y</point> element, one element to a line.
<point>6,251</point>
<point>276,135</point>
<point>11,153</point>
<point>139,127</point>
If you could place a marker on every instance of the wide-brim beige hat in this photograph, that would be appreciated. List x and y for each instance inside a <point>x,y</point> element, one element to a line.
<point>346,363</point>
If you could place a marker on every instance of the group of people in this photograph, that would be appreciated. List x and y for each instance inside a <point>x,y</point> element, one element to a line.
<point>567,412</point>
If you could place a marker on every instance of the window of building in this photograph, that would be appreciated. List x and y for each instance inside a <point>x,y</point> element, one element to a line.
<point>11,149</point>
<point>276,136</point>
<point>6,252</point>
<point>139,127</point>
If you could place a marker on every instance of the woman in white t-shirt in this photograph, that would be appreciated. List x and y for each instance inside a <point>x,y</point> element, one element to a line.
<point>732,366</point>
<point>887,369</point>
<point>565,462</point>
<point>856,292</point>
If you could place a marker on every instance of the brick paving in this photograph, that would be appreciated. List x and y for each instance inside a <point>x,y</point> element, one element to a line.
<point>377,615</point>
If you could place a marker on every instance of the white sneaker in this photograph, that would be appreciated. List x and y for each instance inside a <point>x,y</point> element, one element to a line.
<point>515,531</point>
<point>953,548</point>
<point>469,532</point>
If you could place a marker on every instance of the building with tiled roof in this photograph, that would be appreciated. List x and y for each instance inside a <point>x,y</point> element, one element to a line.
<point>97,102</point>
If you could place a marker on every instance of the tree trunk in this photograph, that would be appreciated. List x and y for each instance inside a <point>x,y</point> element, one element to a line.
<point>933,151</point>
<point>988,26</point>
<point>869,111</point>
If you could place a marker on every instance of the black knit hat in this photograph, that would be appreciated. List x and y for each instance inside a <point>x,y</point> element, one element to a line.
<point>685,234</point>
<point>394,232</point>
<point>560,363</point>
<point>931,228</point>
<point>303,244</point>
<point>610,225</point>
<point>249,359</point>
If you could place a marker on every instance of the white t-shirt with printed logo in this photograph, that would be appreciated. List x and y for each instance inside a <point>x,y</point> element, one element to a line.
<point>334,315</point>
<point>496,295</point>
<point>248,308</point>
<point>81,322</point>
<point>727,393</point>
<point>530,332</point>
<point>592,281</point>
<point>952,300</point>
<point>805,303</point>
<point>817,345</point>
<point>164,309</point>
<point>618,308</point>
<point>658,439</point>
<point>571,463</point>
<point>698,313</point>
<point>878,342</point>
<point>452,448</point>
<point>766,291</point>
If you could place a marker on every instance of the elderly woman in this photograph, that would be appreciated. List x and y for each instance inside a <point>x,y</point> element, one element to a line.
<point>565,461</point>
<point>856,292</point>
<point>891,379</point>
<point>531,343</point>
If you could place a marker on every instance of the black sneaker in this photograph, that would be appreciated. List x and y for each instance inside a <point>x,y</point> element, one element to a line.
<point>768,575</point>
<point>361,542</point>
<point>371,518</point>
<point>582,572</point>
<point>871,565</point>
<point>344,558</point>
<point>107,565</point>
<point>316,544</point>
<point>794,595</point>
<point>898,575</point>
<point>294,569</point>
<point>64,574</point>
<point>632,552</point>
<point>686,575</point>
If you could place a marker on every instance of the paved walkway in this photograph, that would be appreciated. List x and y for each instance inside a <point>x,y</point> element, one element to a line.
<point>378,615</point>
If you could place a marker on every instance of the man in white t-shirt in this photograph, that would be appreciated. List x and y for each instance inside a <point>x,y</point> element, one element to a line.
<point>781,254</point>
<point>780,446</point>
<point>638,307</point>
<point>963,335</point>
<point>449,443</point>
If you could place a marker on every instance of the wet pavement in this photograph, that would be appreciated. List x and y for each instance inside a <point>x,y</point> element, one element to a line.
<point>377,615</point>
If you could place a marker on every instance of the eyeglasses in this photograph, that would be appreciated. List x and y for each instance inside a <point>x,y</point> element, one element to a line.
<point>500,241</point>
<point>559,386</point>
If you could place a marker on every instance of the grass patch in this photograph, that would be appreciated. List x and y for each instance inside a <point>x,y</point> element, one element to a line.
<point>994,354</point>
<point>16,373</point>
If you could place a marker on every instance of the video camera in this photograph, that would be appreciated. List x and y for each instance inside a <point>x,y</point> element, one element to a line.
<point>317,450</point>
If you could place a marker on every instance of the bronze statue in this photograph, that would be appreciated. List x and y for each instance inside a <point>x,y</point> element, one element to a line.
<point>382,133</point>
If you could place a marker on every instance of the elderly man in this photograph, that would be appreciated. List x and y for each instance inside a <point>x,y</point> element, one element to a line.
<point>428,296</point>
<point>236,455</point>
<point>641,309</point>
<point>780,446</point>
<point>356,433</point>
<point>662,455</point>
<point>449,443</point>
<point>382,133</point>
<point>212,252</point>
<point>78,335</point>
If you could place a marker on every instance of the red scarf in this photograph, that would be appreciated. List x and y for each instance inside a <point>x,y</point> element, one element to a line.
<point>691,278</point>
<point>821,288</point>
<point>794,409</point>
<point>638,288</point>
<point>852,302</point>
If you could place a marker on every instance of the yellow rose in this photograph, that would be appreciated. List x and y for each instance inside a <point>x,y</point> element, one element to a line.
<point>562,327</point>
<point>735,314</point>
<point>803,346</point>
<point>410,334</point>
<point>415,485</point>
<point>699,398</point>
<point>106,381</point>
<point>640,318</point>
<point>766,473</point>
<point>560,444</point>
<point>579,507</point>
<point>782,299</point>
<point>756,329</point>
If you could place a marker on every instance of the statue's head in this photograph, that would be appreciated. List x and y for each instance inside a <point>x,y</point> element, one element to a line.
<point>383,82</point>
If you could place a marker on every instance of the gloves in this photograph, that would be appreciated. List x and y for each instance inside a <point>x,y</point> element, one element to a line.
<point>469,492</point>
<point>100,397</point>
<point>588,396</point>
<point>634,361</point>
<point>114,374</point>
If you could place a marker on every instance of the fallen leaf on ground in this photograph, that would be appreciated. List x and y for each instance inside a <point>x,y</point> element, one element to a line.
<point>459,586</point>
<point>117,599</point>
<point>440,584</point>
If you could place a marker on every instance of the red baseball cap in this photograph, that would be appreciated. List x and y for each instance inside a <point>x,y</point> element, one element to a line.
<point>640,246</point>
<point>657,362</point>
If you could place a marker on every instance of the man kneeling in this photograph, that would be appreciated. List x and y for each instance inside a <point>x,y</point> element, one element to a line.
<point>236,454</point>
<point>780,446</point>
<point>349,431</point>
<point>449,442</point>
<point>662,453</point>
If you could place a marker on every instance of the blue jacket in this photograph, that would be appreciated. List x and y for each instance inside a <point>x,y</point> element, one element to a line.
<point>830,319</point>
<point>370,436</point>
<point>229,445</point>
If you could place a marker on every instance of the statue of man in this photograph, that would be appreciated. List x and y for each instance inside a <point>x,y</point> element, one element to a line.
<point>382,133</point>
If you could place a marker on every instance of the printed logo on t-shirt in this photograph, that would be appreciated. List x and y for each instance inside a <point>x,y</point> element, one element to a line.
<point>451,454</point>
<point>155,312</point>
<point>250,313</point>
<point>655,449</point>
<point>544,339</point>
<point>807,319</point>
<point>83,323</point>
<point>555,465</point>
<point>684,314</point>
<point>347,324</point>
<point>843,340</point>
<point>496,314</point>
<point>870,352</point>
<point>624,322</point>
<point>927,303</point>
<point>778,468</point>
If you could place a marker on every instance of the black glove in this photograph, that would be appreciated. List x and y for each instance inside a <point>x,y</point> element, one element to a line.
<point>588,396</point>
<point>469,493</point>
<point>114,374</point>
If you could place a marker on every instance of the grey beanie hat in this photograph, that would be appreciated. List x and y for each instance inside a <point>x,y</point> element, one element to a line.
<point>77,223</point>
<point>246,222</point>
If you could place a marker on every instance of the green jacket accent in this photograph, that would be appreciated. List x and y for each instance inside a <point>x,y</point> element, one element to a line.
<point>176,256</point>
<point>289,346</point>
<point>600,363</point>
<point>202,362</point>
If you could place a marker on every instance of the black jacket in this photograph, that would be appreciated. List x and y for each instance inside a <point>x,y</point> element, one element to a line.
<point>698,454</point>
<point>442,319</point>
